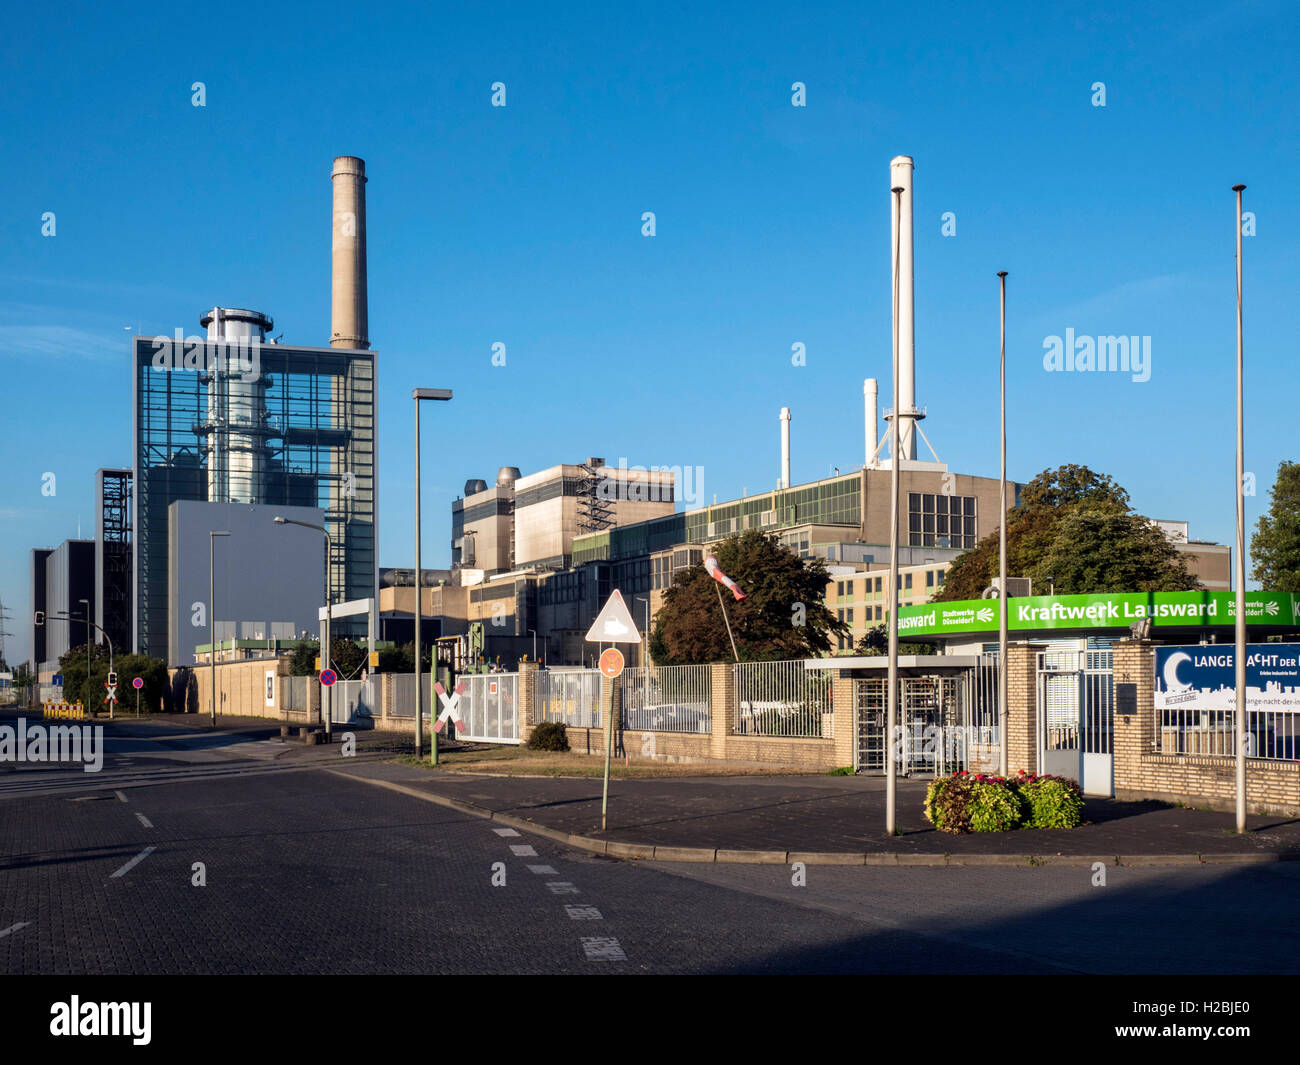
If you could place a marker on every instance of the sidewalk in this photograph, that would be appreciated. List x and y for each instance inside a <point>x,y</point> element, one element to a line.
<point>826,819</point>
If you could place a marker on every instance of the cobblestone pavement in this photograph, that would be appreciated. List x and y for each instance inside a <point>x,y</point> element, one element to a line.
<point>305,871</point>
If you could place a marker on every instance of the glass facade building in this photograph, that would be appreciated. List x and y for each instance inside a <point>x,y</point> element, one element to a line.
<point>249,422</point>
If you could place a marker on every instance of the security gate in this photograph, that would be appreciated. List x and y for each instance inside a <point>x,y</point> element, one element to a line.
<point>934,733</point>
<point>489,707</point>
<point>1076,711</point>
<point>354,702</point>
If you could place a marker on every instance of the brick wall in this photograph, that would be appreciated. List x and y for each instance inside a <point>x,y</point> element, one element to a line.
<point>1142,772</point>
<point>1022,707</point>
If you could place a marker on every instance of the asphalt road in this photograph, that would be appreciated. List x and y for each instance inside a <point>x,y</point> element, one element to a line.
<point>305,871</point>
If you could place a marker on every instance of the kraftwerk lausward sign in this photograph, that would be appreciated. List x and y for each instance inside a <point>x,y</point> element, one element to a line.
<point>1117,610</point>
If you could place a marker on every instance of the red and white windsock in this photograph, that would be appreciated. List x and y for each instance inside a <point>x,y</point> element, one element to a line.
<point>715,571</point>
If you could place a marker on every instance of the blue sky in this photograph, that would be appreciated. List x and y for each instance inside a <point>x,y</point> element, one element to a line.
<point>522,225</point>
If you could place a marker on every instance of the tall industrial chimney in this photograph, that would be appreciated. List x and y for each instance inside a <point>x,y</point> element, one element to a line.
<point>349,317</point>
<point>900,176</point>
<point>871,418</point>
<point>785,447</point>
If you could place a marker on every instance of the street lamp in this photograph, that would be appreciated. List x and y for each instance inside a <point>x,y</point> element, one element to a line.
<point>212,620</point>
<point>891,691</point>
<point>418,394</point>
<point>1002,540</point>
<point>325,629</point>
<point>1239,630</point>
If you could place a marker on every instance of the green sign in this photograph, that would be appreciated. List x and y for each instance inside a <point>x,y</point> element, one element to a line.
<point>1116,610</point>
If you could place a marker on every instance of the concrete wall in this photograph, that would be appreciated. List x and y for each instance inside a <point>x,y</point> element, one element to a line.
<point>269,578</point>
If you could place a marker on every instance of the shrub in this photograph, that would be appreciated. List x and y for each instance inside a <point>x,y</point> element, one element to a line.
<point>1050,802</point>
<point>978,803</point>
<point>549,736</point>
<point>966,803</point>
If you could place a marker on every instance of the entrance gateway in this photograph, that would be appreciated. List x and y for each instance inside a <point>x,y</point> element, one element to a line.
<point>947,717</point>
<point>1074,677</point>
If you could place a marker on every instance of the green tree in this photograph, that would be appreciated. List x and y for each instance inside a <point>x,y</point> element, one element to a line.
<point>1073,529</point>
<point>784,615</point>
<point>1275,545</point>
<point>302,663</point>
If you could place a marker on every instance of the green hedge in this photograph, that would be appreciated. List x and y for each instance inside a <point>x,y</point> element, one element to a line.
<point>977,802</point>
<point>549,736</point>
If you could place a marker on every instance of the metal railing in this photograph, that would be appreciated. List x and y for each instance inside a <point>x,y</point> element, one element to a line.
<point>571,697</point>
<point>783,699</point>
<point>1271,735</point>
<point>354,701</point>
<point>404,696</point>
<point>667,699</point>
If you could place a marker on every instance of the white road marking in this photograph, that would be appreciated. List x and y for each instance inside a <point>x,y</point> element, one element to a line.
<point>144,820</point>
<point>562,887</point>
<point>13,928</point>
<point>523,850</point>
<point>134,862</point>
<point>542,870</point>
<point>603,948</point>
<point>583,913</point>
<point>120,796</point>
<point>505,832</point>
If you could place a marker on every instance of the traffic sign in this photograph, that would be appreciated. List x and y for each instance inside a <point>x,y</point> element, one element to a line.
<point>328,677</point>
<point>137,683</point>
<point>111,697</point>
<point>614,623</point>
<point>611,662</point>
<point>450,707</point>
<point>58,680</point>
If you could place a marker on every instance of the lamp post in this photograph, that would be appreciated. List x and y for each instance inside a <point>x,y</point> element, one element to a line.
<point>212,620</point>
<point>1002,539</point>
<point>86,604</point>
<point>325,629</point>
<point>418,394</point>
<point>1239,652</point>
<point>891,695</point>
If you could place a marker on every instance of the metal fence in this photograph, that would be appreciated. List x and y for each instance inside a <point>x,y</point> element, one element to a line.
<point>404,696</point>
<point>783,699</point>
<point>667,699</point>
<point>293,692</point>
<point>571,697</point>
<point>1272,735</point>
<point>489,707</point>
<point>354,701</point>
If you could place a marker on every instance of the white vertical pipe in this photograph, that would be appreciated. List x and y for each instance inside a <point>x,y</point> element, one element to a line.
<point>900,176</point>
<point>785,447</point>
<point>871,417</point>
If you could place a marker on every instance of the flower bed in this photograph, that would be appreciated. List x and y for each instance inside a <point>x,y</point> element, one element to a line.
<point>979,802</point>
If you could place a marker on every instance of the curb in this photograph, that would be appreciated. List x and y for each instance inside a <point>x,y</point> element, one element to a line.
<point>654,853</point>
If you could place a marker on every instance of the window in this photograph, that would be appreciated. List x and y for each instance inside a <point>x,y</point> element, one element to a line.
<point>907,583</point>
<point>929,582</point>
<point>940,520</point>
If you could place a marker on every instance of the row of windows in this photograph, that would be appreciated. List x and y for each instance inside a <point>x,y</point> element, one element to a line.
<point>934,578</point>
<point>940,520</point>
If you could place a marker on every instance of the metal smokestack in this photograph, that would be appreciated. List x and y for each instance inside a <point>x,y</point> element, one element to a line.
<point>349,317</point>
<point>785,447</point>
<point>871,416</point>
<point>900,176</point>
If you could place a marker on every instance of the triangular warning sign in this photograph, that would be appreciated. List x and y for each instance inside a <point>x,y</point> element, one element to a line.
<point>614,624</point>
